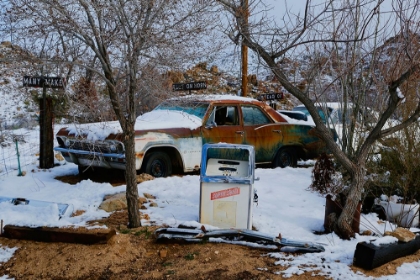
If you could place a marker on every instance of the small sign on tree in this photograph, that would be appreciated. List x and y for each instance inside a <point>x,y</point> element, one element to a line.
<point>190,86</point>
<point>41,81</point>
<point>270,96</point>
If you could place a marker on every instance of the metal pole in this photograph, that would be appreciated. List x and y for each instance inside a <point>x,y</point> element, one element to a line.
<point>18,158</point>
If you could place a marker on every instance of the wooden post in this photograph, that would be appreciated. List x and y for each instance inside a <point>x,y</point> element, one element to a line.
<point>46,157</point>
<point>244,52</point>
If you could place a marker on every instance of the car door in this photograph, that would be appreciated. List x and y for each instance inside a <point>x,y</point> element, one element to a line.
<point>261,132</point>
<point>223,125</point>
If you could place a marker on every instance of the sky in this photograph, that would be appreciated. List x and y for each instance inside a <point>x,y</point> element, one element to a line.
<point>285,205</point>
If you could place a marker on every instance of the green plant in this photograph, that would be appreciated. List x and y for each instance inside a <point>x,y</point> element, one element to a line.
<point>144,231</point>
<point>125,231</point>
<point>190,256</point>
<point>167,264</point>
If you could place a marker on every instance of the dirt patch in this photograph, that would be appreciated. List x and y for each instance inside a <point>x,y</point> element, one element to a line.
<point>134,254</point>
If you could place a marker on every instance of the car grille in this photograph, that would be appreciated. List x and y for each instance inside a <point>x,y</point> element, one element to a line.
<point>97,147</point>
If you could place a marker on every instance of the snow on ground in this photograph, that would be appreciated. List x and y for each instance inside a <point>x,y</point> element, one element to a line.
<point>285,206</point>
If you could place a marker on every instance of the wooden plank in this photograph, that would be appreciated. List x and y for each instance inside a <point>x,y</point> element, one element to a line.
<point>67,235</point>
<point>370,256</point>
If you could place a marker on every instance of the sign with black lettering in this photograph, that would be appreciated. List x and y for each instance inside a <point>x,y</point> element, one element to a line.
<point>270,96</point>
<point>190,86</point>
<point>41,81</point>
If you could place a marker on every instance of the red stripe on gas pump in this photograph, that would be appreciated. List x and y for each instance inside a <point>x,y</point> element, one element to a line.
<point>224,193</point>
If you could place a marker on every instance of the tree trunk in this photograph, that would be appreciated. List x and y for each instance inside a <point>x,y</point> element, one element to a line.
<point>345,221</point>
<point>132,193</point>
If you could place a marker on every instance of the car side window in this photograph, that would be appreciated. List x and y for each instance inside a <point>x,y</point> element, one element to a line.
<point>254,116</point>
<point>224,115</point>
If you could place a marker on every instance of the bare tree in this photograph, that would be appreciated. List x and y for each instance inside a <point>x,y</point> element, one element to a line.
<point>121,37</point>
<point>345,34</point>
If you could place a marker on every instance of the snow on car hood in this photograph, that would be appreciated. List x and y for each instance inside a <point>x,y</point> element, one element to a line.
<point>161,119</point>
<point>95,131</point>
<point>158,119</point>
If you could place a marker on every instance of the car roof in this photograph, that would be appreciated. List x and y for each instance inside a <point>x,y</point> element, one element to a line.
<point>214,98</point>
<point>232,99</point>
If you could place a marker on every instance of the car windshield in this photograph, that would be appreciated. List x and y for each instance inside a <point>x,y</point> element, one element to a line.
<point>198,109</point>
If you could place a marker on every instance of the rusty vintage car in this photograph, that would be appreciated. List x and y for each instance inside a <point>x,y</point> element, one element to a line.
<point>170,138</point>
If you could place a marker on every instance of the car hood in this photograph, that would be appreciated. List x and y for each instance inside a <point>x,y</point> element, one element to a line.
<point>166,119</point>
<point>93,131</point>
<point>159,119</point>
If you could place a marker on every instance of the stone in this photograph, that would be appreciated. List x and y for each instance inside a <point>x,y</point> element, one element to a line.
<point>214,69</point>
<point>112,205</point>
<point>403,235</point>
<point>59,157</point>
<point>366,233</point>
<point>6,44</point>
<point>118,202</point>
<point>149,196</point>
<point>144,177</point>
<point>163,253</point>
<point>142,200</point>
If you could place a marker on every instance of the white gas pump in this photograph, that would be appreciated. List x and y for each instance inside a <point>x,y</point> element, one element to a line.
<point>227,185</point>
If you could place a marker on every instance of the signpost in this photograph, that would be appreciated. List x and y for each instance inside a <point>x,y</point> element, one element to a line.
<point>46,157</point>
<point>270,96</point>
<point>41,81</point>
<point>190,86</point>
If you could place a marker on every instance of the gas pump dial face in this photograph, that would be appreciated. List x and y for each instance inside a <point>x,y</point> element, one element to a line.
<point>228,171</point>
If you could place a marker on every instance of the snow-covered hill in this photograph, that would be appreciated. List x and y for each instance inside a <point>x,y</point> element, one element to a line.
<point>17,107</point>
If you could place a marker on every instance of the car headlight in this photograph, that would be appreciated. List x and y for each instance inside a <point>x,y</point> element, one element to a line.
<point>67,142</point>
<point>113,148</point>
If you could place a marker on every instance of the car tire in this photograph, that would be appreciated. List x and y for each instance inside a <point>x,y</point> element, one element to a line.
<point>158,164</point>
<point>286,157</point>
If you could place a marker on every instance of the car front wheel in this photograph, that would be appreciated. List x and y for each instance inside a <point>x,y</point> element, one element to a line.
<point>158,164</point>
<point>286,157</point>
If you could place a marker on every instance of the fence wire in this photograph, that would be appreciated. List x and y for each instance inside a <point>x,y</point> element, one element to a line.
<point>18,156</point>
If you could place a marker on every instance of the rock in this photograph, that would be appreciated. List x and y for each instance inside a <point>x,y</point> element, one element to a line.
<point>112,205</point>
<point>163,253</point>
<point>402,234</point>
<point>118,202</point>
<point>214,69</point>
<point>391,270</point>
<point>153,204</point>
<point>149,196</point>
<point>144,177</point>
<point>59,157</point>
<point>6,44</point>
<point>142,200</point>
